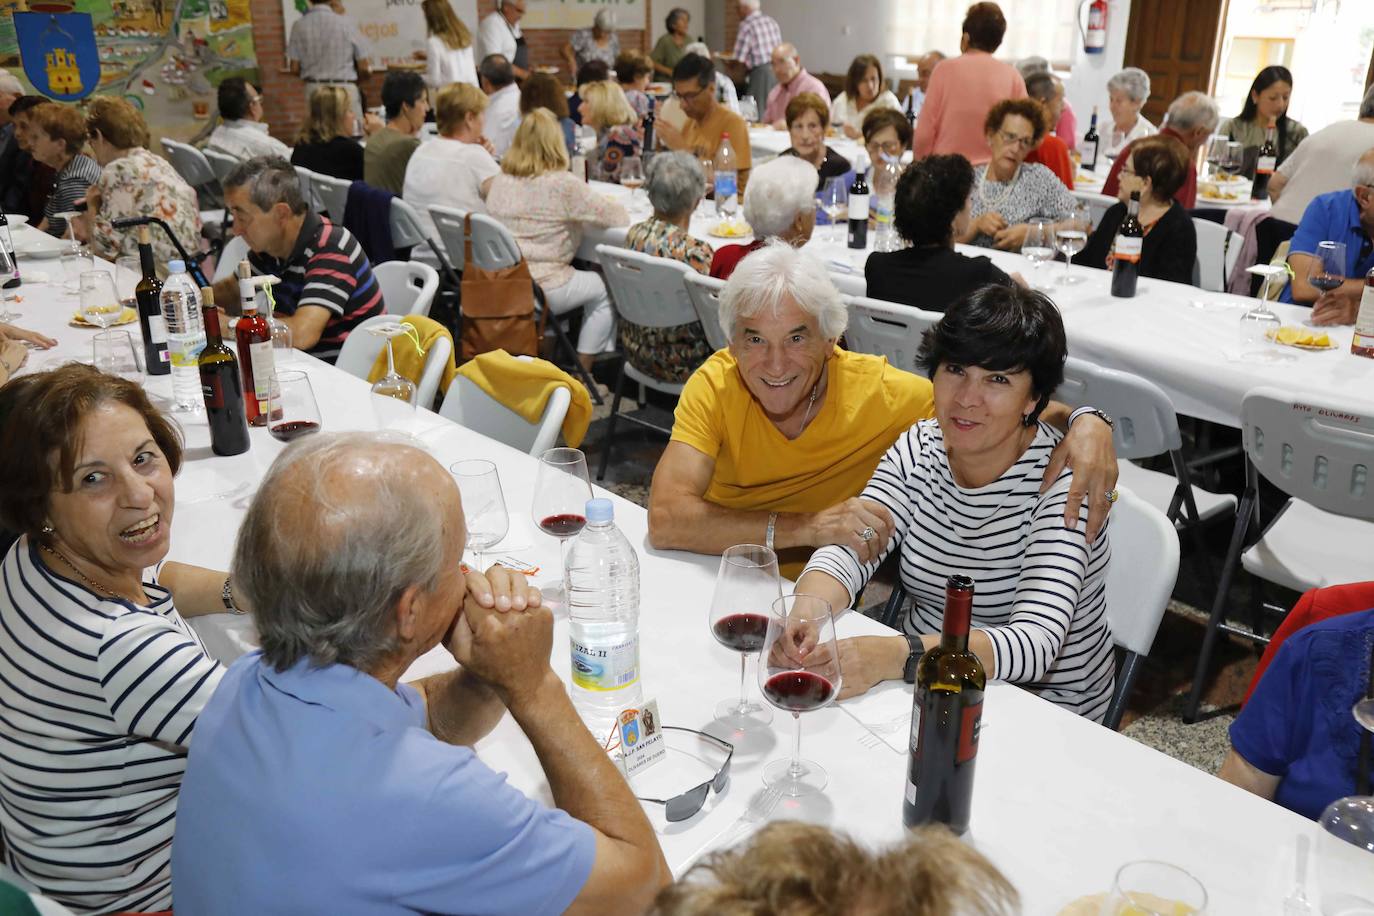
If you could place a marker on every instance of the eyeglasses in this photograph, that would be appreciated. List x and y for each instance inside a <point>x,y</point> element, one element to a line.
<point>892,149</point>
<point>690,97</point>
<point>686,804</point>
<point>1011,139</point>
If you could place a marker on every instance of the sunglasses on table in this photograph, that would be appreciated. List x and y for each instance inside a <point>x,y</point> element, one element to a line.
<point>686,804</point>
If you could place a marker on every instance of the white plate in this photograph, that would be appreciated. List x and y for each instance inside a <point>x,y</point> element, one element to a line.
<point>32,243</point>
<point>16,219</point>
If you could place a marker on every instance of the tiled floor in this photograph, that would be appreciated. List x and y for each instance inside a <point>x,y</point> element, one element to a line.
<point>1155,710</point>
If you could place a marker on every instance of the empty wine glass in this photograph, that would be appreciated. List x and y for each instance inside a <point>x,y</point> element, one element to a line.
<point>1259,325</point>
<point>1345,857</point>
<point>835,204</point>
<point>708,170</point>
<point>1154,889</point>
<point>561,491</point>
<point>7,269</point>
<point>1326,270</point>
<point>796,680</point>
<point>392,385</point>
<point>749,109</point>
<point>76,258</point>
<point>484,505</point>
<point>114,352</point>
<point>100,303</point>
<point>746,587</point>
<point>1038,246</point>
<point>294,410</point>
<point>1070,236</point>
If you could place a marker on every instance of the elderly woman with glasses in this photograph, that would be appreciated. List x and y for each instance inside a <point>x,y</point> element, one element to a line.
<point>807,117</point>
<point>886,132</point>
<point>1127,92</point>
<point>964,492</point>
<point>1009,191</point>
<point>675,184</point>
<point>780,203</point>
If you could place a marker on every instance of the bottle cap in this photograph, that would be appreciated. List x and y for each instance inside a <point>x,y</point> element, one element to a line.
<point>176,266</point>
<point>600,510</point>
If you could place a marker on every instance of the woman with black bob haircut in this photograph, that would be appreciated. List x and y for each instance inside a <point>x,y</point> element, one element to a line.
<point>963,490</point>
<point>933,205</point>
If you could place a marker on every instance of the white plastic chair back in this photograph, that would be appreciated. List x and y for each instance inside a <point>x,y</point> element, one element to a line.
<point>189,162</point>
<point>220,163</point>
<point>493,245</point>
<point>408,287</point>
<point>436,360</point>
<point>306,178</point>
<point>1145,422</point>
<point>468,405</point>
<point>360,349</point>
<point>406,231</point>
<point>331,193</point>
<point>886,329</point>
<point>1143,571</point>
<point>704,292</point>
<point>646,290</point>
<point>235,250</point>
<point>1218,249</point>
<point>448,224</point>
<point>1317,449</point>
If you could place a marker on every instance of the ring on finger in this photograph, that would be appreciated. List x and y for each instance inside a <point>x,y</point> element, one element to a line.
<point>1113,495</point>
<point>867,534</point>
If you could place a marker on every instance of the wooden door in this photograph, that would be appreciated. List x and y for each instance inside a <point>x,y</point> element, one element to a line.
<point>1175,41</point>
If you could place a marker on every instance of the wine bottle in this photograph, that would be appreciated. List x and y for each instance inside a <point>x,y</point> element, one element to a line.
<point>911,116</point>
<point>1089,150</point>
<point>649,121</point>
<point>1266,163</point>
<point>946,716</point>
<point>221,385</point>
<point>7,240</point>
<point>148,295</point>
<point>256,361</point>
<point>1126,251</point>
<point>858,211</point>
<point>1362,343</point>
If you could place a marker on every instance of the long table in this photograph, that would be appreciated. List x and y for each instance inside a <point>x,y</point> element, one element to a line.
<point>1060,802</point>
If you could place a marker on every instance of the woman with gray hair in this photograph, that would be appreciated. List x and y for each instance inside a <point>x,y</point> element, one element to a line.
<point>780,203</point>
<point>1126,93</point>
<point>675,184</point>
<point>600,42</point>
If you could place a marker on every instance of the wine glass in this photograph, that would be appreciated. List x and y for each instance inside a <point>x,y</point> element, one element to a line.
<point>392,385</point>
<point>1345,857</point>
<point>1216,155</point>
<point>561,491</point>
<point>114,352</point>
<point>749,109</point>
<point>293,409</point>
<point>484,505</point>
<point>1038,246</point>
<point>746,587</point>
<point>75,258</point>
<point>100,303</point>
<point>1326,271</point>
<point>796,682</point>
<point>708,170</point>
<point>1070,236</point>
<point>7,269</point>
<point>835,203</point>
<point>632,175</point>
<point>1235,157</point>
<point>1259,325</point>
<point>1148,888</point>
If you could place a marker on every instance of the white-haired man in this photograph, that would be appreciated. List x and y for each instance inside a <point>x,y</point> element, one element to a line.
<point>775,436</point>
<point>500,33</point>
<point>1191,119</point>
<point>319,783</point>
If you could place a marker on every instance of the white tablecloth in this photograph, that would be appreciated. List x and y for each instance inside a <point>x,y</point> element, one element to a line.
<point>1060,803</point>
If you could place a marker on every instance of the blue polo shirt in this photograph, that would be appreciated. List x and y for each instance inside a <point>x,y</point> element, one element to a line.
<point>1333,217</point>
<point>318,790</point>
<point>1297,724</point>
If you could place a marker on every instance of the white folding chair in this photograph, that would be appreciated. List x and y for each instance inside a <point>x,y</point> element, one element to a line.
<point>407,232</point>
<point>651,293</point>
<point>360,349</point>
<point>306,179</point>
<point>468,405</point>
<point>220,163</point>
<point>331,193</point>
<point>191,164</point>
<point>1319,451</point>
<point>408,287</point>
<point>235,250</point>
<point>448,225</point>
<point>887,329</point>
<point>1218,249</point>
<point>704,292</point>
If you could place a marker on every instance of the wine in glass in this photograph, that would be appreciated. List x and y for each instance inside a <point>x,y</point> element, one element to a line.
<point>1216,155</point>
<point>746,587</point>
<point>1326,270</point>
<point>561,491</point>
<point>1235,157</point>
<point>294,411</point>
<point>632,175</point>
<point>484,505</point>
<point>1038,246</point>
<point>1070,236</point>
<point>799,671</point>
<point>1149,888</point>
<point>835,204</point>
<point>100,303</point>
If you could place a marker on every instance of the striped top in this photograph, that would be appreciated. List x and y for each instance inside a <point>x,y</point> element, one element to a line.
<point>1040,593</point>
<point>329,269</point>
<point>97,701</point>
<point>68,187</point>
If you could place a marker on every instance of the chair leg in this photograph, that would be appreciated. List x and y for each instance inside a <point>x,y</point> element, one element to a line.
<point>1125,683</point>
<point>610,429</point>
<point>1243,517</point>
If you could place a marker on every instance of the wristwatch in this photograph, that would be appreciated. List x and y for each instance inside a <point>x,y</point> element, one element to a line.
<point>227,597</point>
<point>917,649</point>
<point>1100,414</point>
<point>772,526</point>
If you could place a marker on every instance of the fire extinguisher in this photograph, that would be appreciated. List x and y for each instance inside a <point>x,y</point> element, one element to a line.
<point>1095,35</point>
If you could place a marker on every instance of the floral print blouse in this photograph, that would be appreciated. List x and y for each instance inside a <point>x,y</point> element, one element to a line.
<point>670,354</point>
<point>614,146</point>
<point>140,183</point>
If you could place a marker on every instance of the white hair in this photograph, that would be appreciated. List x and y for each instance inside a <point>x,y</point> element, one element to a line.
<point>749,4</point>
<point>1193,109</point>
<point>775,273</point>
<point>778,190</point>
<point>1362,175</point>
<point>604,20</point>
<point>1133,81</point>
<point>698,48</point>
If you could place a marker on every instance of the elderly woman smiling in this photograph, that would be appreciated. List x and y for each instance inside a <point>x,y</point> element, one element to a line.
<point>103,679</point>
<point>1126,93</point>
<point>964,493</point>
<point>807,117</point>
<point>780,203</point>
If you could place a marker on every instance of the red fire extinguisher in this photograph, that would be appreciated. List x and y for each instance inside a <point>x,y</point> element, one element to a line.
<point>1095,35</point>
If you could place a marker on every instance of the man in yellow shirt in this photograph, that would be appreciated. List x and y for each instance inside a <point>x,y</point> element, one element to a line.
<point>775,436</point>
<point>694,86</point>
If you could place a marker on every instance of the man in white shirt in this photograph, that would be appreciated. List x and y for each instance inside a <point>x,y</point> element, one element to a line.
<point>503,95</point>
<point>449,170</point>
<point>242,132</point>
<point>925,66</point>
<point>1321,163</point>
<point>500,33</point>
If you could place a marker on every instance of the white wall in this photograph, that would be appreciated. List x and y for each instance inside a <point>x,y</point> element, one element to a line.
<point>1087,82</point>
<point>466,10</point>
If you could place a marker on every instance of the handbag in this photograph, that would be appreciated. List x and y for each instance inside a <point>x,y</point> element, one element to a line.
<point>498,307</point>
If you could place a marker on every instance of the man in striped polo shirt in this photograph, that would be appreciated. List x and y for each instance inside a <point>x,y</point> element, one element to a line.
<point>327,286</point>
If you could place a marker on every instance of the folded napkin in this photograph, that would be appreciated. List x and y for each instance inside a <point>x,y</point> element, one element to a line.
<point>525,386</point>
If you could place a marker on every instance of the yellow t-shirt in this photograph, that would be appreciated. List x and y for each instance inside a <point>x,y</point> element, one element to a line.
<point>867,405</point>
<point>702,138</point>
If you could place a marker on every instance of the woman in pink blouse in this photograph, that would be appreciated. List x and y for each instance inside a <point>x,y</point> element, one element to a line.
<point>544,206</point>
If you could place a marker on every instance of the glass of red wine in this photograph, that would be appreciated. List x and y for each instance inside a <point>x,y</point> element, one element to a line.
<point>561,491</point>
<point>1326,270</point>
<point>799,671</point>
<point>294,410</point>
<point>746,587</point>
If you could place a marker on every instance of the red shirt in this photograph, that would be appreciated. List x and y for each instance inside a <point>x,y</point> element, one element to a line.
<point>1187,194</point>
<point>728,256</point>
<point>1315,605</point>
<point>1053,154</point>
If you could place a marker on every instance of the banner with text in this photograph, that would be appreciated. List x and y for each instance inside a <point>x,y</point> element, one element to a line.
<point>394,29</point>
<point>577,14</point>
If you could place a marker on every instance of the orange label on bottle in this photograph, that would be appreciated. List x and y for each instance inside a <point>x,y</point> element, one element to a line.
<point>1127,248</point>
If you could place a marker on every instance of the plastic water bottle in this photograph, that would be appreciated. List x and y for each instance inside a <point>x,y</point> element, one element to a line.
<point>883,201</point>
<point>727,179</point>
<point>602,582</point>
<point>185,335</point>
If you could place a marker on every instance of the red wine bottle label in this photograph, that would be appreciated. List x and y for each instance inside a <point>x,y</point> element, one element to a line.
<point>1265,165</point>
<point>970,727</point>
<point>1127,248</point>
<point>213,388</point>
<point>157,330</point>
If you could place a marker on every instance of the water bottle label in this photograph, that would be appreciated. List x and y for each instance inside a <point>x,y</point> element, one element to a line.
<point>727,192</point>
<point>882,212</point>
<point>185,350</point>
<point>605,668</point>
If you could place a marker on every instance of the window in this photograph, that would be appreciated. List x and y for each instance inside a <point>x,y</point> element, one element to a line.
<point>1048,28</point>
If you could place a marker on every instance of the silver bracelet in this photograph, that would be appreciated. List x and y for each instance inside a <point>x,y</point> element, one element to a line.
<point>768,535</point>
<point>226,597</point>
<point>1082,411</point>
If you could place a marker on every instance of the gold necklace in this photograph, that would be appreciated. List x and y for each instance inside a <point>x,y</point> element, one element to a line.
<point>92,583</point>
